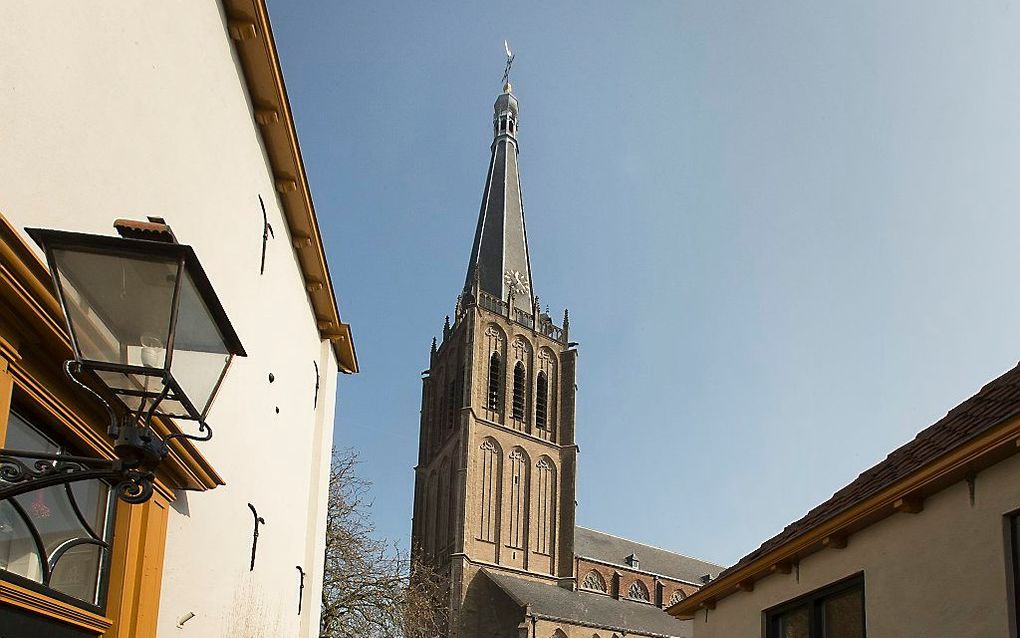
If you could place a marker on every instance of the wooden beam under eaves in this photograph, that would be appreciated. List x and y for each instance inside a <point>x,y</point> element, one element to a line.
<point>266,115</point>
<point>909,505</point>
<point>746,585</point>
<point>783,567</point>
<point>285,185</point>
<point>834,542</point>
<point>242,30</point>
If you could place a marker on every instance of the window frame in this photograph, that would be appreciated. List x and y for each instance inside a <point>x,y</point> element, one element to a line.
<point>813,600</point>
<point>36,420</point>
<point>1011,525</point>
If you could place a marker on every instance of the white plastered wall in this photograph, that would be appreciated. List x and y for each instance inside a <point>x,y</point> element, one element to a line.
<point>127,109</point>
<point>941,573</point>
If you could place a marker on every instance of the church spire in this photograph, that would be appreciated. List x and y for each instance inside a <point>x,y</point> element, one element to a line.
<point>500,265</point>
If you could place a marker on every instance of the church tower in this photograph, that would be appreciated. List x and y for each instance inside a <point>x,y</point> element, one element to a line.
<point>494,483</point>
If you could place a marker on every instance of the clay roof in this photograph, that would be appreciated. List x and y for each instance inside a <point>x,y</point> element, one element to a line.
<point>996,402</point>
<point>606,548</point>
<point>552,602</point>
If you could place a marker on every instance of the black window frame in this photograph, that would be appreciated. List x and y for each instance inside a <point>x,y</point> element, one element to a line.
<point>814,600</point>
<point>37,419</point>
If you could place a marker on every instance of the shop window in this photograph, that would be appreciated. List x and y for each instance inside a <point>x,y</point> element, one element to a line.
<point>56,539</point>
<point>833,612</point>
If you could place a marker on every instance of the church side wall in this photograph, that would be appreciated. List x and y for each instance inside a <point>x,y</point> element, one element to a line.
<point>542,628</point>
<point>617,580</point>
<point>940,573</point>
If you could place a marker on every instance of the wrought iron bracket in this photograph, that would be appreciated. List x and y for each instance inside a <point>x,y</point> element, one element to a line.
<point>23,471</point>
<point>139,451</point>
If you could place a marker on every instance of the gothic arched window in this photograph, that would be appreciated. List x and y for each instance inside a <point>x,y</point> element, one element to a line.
<point>546,510</point>
<point>677,596</point>
<point>492,474</point>
<point>638,591</point>
<point>541,400</point>
<point>519,383</point>
<point>518,499</point>
<point>593,580</point>
<point>495,370</point>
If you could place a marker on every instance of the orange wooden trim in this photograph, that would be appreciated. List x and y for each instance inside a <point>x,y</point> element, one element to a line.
<point>985,450</point>
<point>6,391</point>
<point>746,585</point>
<point>249,27</point>
<point>909,505</point>
<point>707,604</point>
<point>11,594</point>
<point>137,568</point>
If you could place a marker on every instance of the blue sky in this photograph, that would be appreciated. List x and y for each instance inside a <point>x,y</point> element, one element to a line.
<point>786,231</point>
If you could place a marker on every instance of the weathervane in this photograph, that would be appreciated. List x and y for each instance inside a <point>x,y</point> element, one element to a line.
<point>509,62</point>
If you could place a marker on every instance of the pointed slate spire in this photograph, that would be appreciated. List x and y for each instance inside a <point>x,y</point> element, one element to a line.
<point>500,264</point>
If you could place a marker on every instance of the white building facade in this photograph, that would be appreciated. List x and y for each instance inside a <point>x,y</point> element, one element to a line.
<point>174,111</point>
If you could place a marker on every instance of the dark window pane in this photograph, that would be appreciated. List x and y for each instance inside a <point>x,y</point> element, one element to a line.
<point>794,624</point>
<point>843,615</point>
<point>70,525</point>
<point>77,572</point>
<point>18,551</point>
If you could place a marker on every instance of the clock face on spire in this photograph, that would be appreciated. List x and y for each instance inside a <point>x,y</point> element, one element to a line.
<point>517,282</point>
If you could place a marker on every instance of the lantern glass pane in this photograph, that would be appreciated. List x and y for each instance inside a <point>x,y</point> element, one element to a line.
<point>118,306</point>
<point>200,354</point>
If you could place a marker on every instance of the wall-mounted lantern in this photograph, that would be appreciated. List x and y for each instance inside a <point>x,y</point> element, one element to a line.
<point>145,324</point>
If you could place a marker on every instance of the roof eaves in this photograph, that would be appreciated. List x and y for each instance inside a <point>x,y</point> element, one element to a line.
<point>249,28</point>
<point>990,446</point>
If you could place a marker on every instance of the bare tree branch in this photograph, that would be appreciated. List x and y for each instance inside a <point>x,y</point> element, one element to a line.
<point>370,588</point>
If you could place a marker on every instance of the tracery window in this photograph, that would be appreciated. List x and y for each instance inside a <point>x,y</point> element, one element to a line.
<point>518,498</point>
<point>541,400</point>
<point>677,596</point>
<point>546,510</point>
<point>57,537</point>
<point>545,394</point>
<point>638,591</point>
<point>519,390</point>
<point>492,475</point>
<point>594,580</point>
<point>495,370</point>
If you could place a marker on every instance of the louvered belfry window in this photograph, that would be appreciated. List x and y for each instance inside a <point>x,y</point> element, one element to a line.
<point>518,406</point>
<point>494,375</point>
<point>541,400</point>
